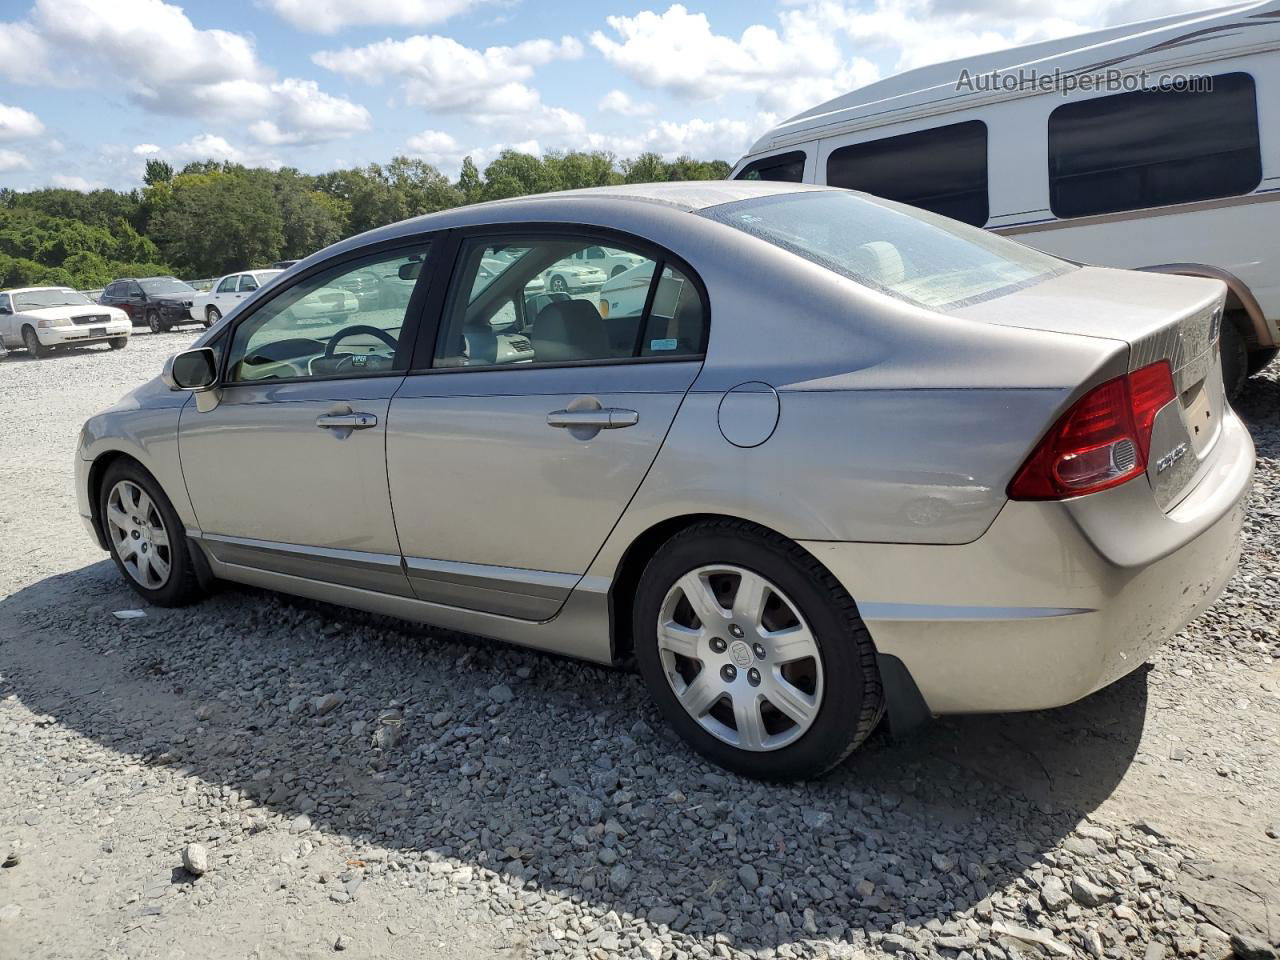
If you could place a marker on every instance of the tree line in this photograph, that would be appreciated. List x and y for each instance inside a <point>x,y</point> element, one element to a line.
<point>209,218</point>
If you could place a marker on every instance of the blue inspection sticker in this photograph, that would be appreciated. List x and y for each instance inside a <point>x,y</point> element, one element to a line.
<point>668,344</point>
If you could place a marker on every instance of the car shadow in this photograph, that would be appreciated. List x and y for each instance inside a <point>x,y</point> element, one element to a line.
<point>576,760</point>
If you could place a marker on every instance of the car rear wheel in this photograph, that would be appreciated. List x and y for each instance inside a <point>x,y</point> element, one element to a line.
<point>155,324</point>
<point>146,537</point>
<point>211,316</point>
<point>118,343</point>
<point>754,652</point>
<point>33,344</point>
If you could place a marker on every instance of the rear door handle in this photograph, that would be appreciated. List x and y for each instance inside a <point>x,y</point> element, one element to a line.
<point>346,421</point>
<point>608,418</point>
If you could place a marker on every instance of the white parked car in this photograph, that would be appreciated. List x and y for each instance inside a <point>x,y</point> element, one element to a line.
<point>41,318</point>
<point>607,260</point>
<point>573,276</point>
<point>225,292</point>
<point>1149,146</point>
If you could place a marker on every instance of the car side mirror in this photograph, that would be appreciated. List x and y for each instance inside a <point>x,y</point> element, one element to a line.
<point>410,271</point>
<point>193,370</point>
<point>5,310</point>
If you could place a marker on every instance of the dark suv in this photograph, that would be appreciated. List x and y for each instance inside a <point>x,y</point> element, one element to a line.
<point>155,302</point>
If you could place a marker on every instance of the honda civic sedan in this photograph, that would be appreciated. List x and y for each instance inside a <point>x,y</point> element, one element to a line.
<point>843,459</point>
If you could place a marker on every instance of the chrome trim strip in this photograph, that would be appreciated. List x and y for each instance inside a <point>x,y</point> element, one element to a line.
<point>1038,226</point>
<point>506,591</point>
<point>939,612</point>
<point>347,558</point>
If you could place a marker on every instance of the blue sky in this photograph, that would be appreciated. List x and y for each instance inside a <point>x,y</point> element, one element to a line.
<point>89,89</point>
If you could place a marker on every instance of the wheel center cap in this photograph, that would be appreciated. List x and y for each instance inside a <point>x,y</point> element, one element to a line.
<point>741,654</point>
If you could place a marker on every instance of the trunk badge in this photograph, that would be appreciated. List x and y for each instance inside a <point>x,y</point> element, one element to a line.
<point>1170,458</point>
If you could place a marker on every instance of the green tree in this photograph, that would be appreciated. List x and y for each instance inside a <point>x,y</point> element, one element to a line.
<point>157,172</point>
<point>216,222</point>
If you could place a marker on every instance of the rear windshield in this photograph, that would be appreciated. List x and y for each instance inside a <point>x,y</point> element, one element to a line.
<point>911,254</point>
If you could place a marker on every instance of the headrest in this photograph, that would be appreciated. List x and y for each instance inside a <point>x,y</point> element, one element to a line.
<point>570,330</point>
<point>880,262</point>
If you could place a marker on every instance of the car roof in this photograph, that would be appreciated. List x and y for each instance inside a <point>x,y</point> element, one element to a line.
<point>32,289</point>
<point>589,206</point>
<point>1202,34</point>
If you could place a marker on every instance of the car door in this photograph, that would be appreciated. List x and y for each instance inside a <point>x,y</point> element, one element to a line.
<point>518,439</point>
<point>224,294</point>
<point>8,335</point>
<point>287,472</point>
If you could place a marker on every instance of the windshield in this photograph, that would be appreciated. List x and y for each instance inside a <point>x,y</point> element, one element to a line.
<point>908,253</point>
<point>161,285</point>
<point>36,299</point>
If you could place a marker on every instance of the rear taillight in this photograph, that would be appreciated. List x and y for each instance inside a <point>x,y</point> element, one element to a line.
<point>1100,442</point>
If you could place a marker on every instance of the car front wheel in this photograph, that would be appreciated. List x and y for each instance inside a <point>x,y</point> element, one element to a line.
<point>146,537</point>
<point>33,344</point>
<point>118,343</point>
<point>754,652</point>
<point>211,316</point>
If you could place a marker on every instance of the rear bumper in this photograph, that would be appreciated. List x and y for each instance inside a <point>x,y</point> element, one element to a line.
<point>1055,600</point>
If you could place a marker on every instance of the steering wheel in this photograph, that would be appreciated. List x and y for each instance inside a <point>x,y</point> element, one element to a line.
<point>360,328</point>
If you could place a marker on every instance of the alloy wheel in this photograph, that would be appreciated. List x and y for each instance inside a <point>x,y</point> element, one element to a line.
<point>153,322</point>
<point>138,535</point>
<point>740,657</point>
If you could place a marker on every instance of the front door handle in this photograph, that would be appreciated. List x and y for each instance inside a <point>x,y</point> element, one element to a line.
<point>607,418</point>
<point>346,421</point>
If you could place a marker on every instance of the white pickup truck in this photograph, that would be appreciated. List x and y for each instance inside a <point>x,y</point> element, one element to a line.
<point>41,318</point>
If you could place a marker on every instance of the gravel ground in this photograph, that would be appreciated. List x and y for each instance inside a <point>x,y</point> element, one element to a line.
<point>265,777</point>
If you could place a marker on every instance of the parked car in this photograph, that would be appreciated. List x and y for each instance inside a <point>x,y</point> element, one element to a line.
<point>4,351</point>
<point>608,261</point>
<point>158,303</point>
<point>739,517</point>
<point>573,276</point>
<point>1177,177</point>
<point>203,285</point>
<point>41,318</point>
<point>283,264</point>
<point>226,292</point>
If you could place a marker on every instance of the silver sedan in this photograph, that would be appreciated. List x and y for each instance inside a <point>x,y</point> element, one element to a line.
<point>841,459</point>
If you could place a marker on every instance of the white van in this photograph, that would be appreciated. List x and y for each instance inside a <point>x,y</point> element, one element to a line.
<point>1154,145</point>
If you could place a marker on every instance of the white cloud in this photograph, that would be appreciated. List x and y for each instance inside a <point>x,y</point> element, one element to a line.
<point>678,51</point>
<point>18,124</point>
<point>438,148</point>
<point>618,101</point>
<point>204,146</point>
<point>439,74</point>
<point>169,66</point>
<point>71,182</point>
<point>12,160</point>
<point>330,16</point>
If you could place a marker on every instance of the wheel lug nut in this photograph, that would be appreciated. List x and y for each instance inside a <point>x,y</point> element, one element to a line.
<point>758,650</point>
<point>753,677</point>
<point>728,673</point>
<point>735,631</point>
<point>718,645</point>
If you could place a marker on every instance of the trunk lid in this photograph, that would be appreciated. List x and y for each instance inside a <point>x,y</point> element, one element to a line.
<point>1160,317</point>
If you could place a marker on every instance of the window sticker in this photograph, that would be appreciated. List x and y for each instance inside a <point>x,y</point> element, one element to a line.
<point>670,343</point>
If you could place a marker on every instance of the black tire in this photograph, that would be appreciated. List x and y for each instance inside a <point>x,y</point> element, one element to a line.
<point>1261,358</point>
<point>559,284</point>
<point>617,270</point>
<point>1235,355</point>
<point>183,585</point>
<point>155,324</point>
<point>853,699</point>
<point>118,343</point>
<point>211,316</point>
<point>32,342</point>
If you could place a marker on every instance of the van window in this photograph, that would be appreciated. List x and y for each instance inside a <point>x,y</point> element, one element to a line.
<point>1151,148</point>
<point>901,251</point>
<point>943,170</point>
<point>782,167</point>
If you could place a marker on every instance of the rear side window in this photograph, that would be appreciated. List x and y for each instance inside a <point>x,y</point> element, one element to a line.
<point>1152,148</point>
<point>781,168</point>
<point>943,170</point>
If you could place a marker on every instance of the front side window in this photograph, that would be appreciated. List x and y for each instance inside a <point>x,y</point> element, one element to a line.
<point>780,168</point>
<point>537,301</point>
<point>342,322</point>
<point>911,254</point>
<point>943,170</point>
<point>1152,148</point>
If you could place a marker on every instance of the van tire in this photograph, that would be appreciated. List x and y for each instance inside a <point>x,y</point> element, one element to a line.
<point>1235,355</point>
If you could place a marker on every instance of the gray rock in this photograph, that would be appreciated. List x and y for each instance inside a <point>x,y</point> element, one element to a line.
<point>1089,894</point>
<point>341,943</point>
<point>748,877</point>
<point>501,693</point>
<point>327,704</point>
<point>662,915</point>
<point>1251,948</point>
<point>1041,938</point>
<point>561,776</point>
<point>619,878</point>
<point>9,913</point>
<point>195,859</point>
<point>300,824</point>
